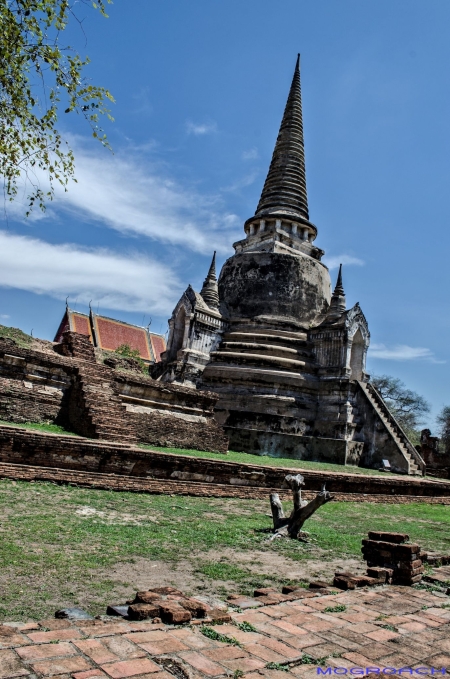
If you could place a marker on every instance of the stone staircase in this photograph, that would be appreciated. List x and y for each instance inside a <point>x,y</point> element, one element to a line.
<point>416,465</point>
<point>261,351</point>
<point>98,407</point>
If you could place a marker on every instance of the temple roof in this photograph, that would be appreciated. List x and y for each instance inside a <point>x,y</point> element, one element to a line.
<point>284,190</point>
<point>109,334</point>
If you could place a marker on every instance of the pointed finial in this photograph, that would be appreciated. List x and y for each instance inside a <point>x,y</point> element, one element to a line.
<point>210,289</point>
<point>285,186</point>
<point>67,303</point>
<point>338,302</point>
<point>339,289</point>
<point>212,268</point>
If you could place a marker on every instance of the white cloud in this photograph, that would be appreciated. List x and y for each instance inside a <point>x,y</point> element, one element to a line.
<point>346,260</point>
<point>251,154</point>
<point>113,281</point>
<point>125,194</point>
<point>5,316</point>
<point>199,129</point>
<point>402,352</point>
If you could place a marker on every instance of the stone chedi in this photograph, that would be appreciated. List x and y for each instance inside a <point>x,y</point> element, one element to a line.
<point>285,355</point>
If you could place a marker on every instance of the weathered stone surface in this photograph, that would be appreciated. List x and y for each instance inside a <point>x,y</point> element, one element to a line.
<point>143,611</point>
<point>173,614</point>
<point>73,614</point>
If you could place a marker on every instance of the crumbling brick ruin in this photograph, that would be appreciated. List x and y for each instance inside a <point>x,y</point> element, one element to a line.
<point>67,386</point>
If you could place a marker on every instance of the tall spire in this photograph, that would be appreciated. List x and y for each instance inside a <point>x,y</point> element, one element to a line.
<point>338,302</point>
<point>284,190</point>
<point>210,289</point>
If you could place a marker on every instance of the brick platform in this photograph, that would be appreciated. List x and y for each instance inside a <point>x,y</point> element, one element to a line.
<point>22,472</point>
<point>118,466</point>
<point>387,627</point>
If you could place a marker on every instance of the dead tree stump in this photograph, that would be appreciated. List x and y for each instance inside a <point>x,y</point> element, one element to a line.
<point>291,526</point>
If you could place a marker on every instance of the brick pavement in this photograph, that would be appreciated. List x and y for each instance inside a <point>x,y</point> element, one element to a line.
<point>384,627</point>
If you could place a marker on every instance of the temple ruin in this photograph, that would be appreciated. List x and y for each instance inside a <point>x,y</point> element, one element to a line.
<point>283,352</point>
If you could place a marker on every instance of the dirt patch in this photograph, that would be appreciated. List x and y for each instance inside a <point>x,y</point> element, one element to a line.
<point>141,573</point>
<point>113,517</point>
<point>270,563</point>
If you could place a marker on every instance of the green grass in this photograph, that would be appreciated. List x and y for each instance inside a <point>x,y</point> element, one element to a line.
<point>20,338</point>
<point>40,426</point>
<point>265,460</point>
<point>54,552</point>
<point>211,633</point>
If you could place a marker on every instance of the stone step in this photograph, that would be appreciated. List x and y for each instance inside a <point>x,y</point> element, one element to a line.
<point>267,350</point>
<point>258,359</point>
<point>216,373</point>
<point>290,339</point>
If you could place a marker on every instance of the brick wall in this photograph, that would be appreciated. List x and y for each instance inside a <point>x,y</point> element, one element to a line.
<point>54,386</point>
<point>22,447</point>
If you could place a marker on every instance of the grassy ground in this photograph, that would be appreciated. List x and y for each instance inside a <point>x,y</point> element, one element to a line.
<point>40,426</point>
<point>20,338</point>
<point>265,460</point>
<point>62,545</point>
<point>229,457</point>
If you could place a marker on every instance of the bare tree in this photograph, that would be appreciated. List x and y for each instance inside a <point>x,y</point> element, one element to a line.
<point>303,510</point>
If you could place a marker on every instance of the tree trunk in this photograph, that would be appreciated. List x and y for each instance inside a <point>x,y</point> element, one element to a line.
<point>302,510</point>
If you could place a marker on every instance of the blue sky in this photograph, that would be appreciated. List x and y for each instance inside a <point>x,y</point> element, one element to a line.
<point>200,89</point>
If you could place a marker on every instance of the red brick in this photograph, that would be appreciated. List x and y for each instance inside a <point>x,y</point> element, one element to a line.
<point>280,648</point>
<point>106,630</point>
<point>90,674</point>
<point>61,666</point>
<point>13,640</point>
<point>142,611</point>
<point>289,627</point>
<point>124,649</point>
<point>171,613</point>
<point>226,653</point>
<point>244,664</point>
<point>56,635</point>
<point>128,668</point>
<point>201,663</point>
<point>45,651</point>
<point>11,666</point>
<point>265,653</point>
<point>140,637</point>
<point>96,651</point>
<point>304,641</point>
<point>168,645</point>
<point>382,635</point>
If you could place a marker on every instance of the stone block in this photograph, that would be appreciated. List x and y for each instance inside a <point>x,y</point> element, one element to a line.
<point>343,582</point>
<point>408,581</point>
<point>264,591</point>
<point>318,584</point>
<point>382,536</point>
<point>146,597</point>
<point>196,608</point>
<point>173,614</point>
<point>143,611</point>
<point>218,615</point>
<point>167,590</point>
<point>382,574</point>
<point>121,611</point>
<point>73,614</point>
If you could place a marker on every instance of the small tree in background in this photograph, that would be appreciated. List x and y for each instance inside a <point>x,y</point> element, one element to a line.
<point>443,422</point>
<point>408,407</point>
